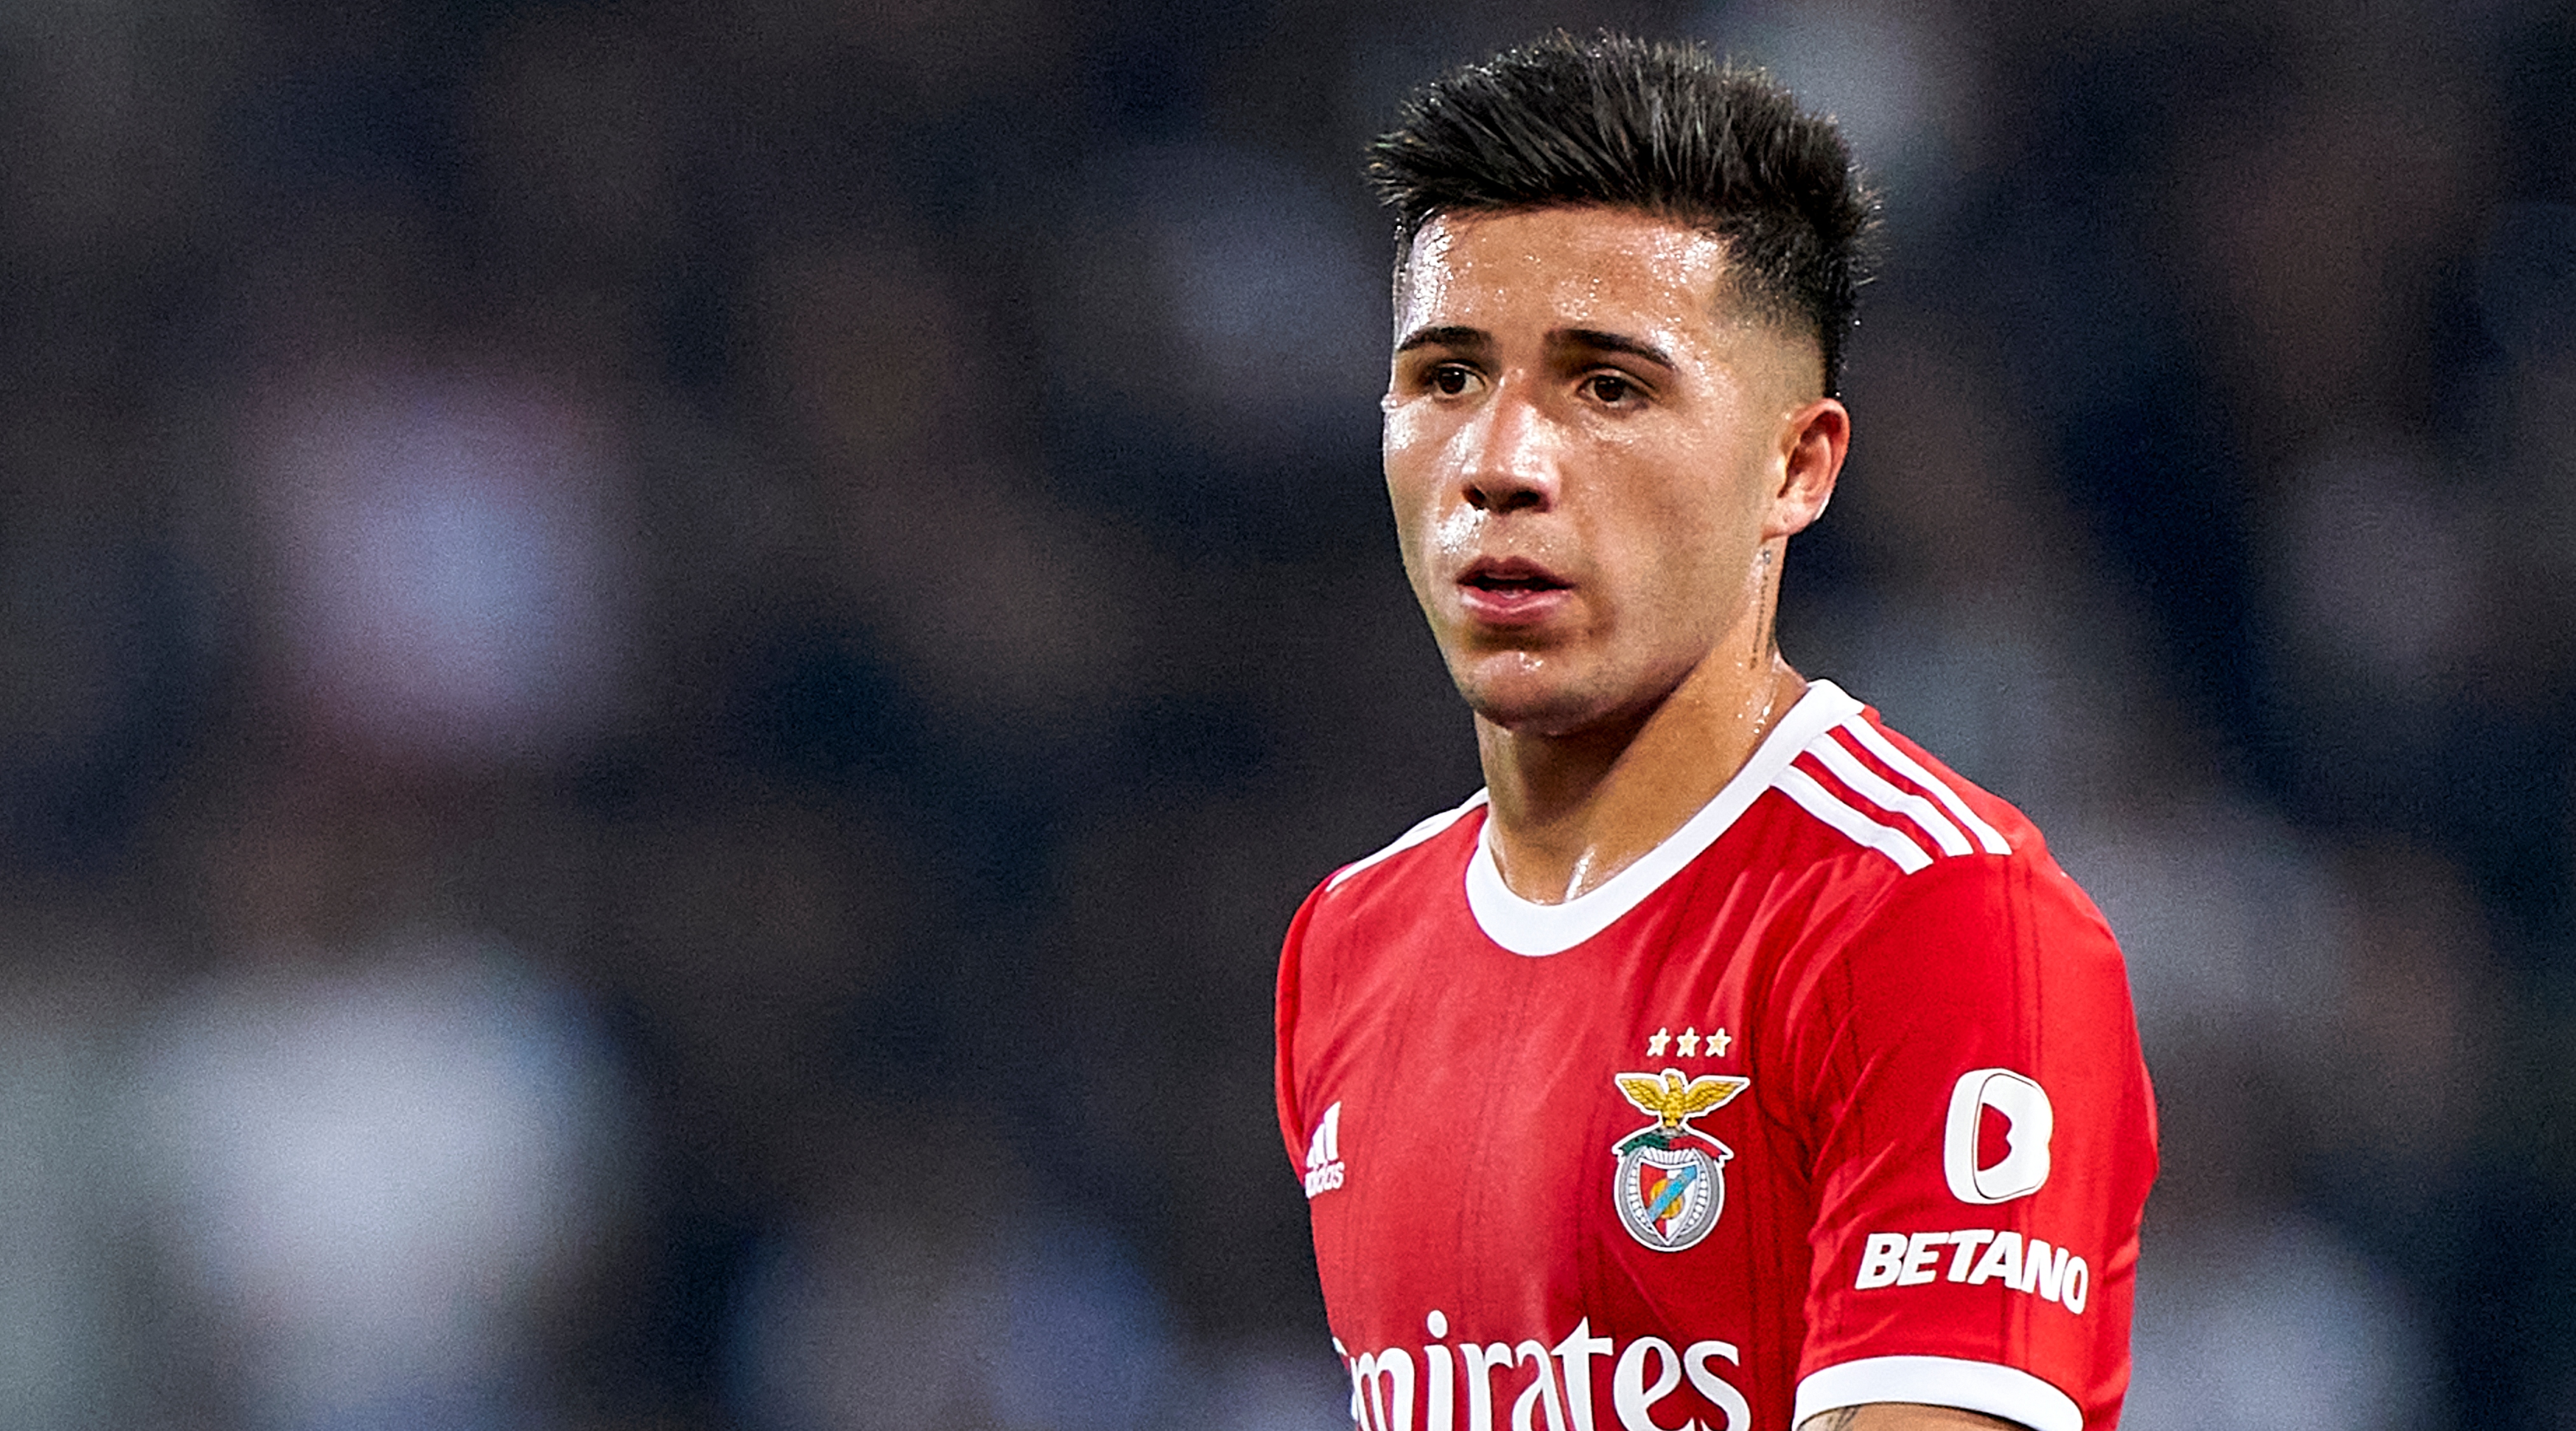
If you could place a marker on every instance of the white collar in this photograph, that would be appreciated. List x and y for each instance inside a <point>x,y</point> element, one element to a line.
<point>1527,927</point>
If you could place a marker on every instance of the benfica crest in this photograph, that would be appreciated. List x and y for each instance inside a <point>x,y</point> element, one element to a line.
<point>1671,1183</point>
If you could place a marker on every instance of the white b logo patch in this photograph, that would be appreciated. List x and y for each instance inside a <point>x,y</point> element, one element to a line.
<point>2030,1120</point>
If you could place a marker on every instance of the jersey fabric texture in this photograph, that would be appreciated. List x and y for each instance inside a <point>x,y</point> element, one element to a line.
<point>1833,1098</point>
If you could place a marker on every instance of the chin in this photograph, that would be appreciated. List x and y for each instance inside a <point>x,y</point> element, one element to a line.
<point>1531,696</point>
<point>1523,702</point>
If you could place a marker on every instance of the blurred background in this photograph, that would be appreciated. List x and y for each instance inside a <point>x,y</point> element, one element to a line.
<point>667,670</point>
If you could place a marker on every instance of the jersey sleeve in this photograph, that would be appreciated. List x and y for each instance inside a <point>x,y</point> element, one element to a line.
<point>1284,1031</point>
<point>1982,1138</point>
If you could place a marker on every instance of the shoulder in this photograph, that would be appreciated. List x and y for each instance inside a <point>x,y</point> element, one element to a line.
<point>1350,931</point>
<point>1897,837</point>
<point>1863,786</point>
<point>1942,886</point>
<point>1419,850</point>
<point>1417,877</point>
<point>1961,949</point>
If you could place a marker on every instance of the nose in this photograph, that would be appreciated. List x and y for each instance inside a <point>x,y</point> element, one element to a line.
<point>1508,457</point>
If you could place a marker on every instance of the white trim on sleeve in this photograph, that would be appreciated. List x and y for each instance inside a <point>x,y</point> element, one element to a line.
<point>1980,1386</point>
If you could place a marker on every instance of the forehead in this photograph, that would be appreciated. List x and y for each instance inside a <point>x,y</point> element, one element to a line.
<point>1611,269</point>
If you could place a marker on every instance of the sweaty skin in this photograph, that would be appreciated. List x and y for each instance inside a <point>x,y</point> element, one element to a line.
<point>1596,460</point>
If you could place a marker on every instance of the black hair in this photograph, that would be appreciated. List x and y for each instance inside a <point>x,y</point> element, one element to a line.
<point>1652,126</point>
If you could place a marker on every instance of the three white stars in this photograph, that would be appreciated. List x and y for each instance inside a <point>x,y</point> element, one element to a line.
<point>1688,1045</point>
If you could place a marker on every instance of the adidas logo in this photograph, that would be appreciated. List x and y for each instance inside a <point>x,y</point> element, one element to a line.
<point>1324,1154</point>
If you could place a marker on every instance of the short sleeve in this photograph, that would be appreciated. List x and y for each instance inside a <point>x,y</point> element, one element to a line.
<point>1284,1030</point>
<point>1982,1138</point>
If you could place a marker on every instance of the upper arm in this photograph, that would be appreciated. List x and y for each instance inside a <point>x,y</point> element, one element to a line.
<point>1284,1029</point>
<point>1982,1142</point>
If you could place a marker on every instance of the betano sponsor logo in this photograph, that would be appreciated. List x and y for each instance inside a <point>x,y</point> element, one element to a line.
<point>1977,1255</point>
<point>2029,1121</point>
<point>1454,1387</point>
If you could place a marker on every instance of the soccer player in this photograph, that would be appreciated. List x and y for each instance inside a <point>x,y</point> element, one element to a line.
<point>1728,1063</point>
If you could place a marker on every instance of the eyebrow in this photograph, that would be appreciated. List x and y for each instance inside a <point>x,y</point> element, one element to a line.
<point>1451,336</point>
<point>1595,339</point>
<point>1608,342</point>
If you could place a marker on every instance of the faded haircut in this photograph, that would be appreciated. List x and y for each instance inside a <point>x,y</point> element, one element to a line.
<point>1657,127</point>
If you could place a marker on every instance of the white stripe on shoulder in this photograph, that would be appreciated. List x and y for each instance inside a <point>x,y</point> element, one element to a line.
<point>1537,930</point>
<point>1869,785</point>
<point>1825,805</point>
<point>1913,769</point>
<point>1419,833</point>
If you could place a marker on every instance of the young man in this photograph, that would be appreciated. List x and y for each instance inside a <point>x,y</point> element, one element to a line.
<point>1728,1062</point>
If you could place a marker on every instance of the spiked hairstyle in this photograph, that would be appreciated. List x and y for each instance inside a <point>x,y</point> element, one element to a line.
<point>1657,127</point>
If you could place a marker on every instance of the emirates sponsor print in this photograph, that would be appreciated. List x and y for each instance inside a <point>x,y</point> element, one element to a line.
<point>1523,1385</point>
<point>1671,1184</point>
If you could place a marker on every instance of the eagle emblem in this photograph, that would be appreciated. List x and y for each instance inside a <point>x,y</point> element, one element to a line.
<point>1671,1185</point>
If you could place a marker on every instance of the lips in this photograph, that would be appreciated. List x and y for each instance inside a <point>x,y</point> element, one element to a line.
<point>1511,591</point>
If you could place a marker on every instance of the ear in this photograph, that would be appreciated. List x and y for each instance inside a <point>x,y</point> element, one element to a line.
<point>1813,440</point>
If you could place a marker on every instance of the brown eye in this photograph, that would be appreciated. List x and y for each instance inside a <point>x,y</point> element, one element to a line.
<point>1449,380</point>
<point>1610,388</point>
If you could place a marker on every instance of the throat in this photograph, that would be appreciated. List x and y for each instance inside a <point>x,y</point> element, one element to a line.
<point>1569,812</point>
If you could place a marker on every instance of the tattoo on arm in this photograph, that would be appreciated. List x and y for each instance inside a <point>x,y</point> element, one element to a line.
<point>1839,1419</point>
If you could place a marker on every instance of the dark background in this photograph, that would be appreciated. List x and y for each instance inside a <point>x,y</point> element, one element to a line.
<point>666,672</point>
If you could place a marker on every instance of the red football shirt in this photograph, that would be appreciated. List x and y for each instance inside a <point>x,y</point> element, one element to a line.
<point>1832,1098</point>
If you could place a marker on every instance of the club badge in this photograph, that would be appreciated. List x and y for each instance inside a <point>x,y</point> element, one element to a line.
<point>1671,1188</point>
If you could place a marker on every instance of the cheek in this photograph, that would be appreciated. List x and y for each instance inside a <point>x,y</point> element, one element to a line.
<point>1412,476</point>
<point>1406,441</point>
<point>1451,534</point>
<point>1413,518</point>
<point>1697,548</point>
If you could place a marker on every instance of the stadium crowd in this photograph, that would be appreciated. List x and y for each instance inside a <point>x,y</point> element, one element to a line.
<point>667,670</point>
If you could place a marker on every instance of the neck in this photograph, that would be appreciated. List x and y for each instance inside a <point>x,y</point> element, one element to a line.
<point>1571,810</point>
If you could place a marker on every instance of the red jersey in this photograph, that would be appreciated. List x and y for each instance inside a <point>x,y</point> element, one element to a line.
<point>1832,1098</point>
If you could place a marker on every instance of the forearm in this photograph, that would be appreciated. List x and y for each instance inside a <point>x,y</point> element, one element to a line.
<point>1903,1416</point>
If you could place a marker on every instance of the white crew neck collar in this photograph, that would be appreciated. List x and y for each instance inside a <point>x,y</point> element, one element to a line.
<point>1527,927</point>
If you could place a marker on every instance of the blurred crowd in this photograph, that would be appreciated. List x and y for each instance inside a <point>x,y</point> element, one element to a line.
<point>667,670</point>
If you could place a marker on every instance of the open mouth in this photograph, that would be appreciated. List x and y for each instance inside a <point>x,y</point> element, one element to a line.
<point>1489,582</point>
<point>1511,577</point>
<point>1511,592</point>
